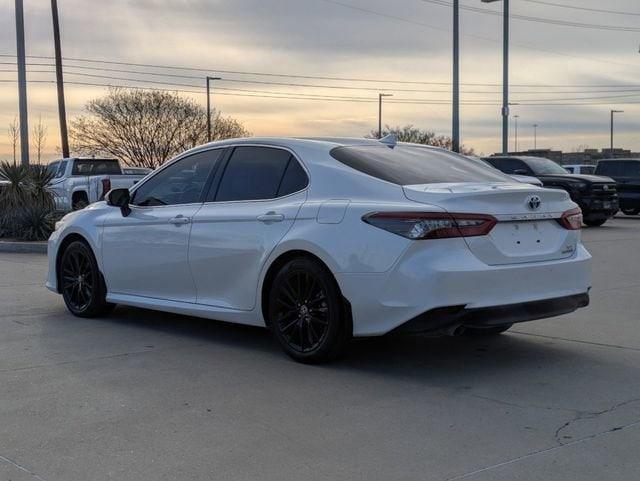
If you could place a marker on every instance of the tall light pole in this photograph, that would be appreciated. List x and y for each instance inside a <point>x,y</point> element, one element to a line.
<point>22,84</point>
<point>613,112</point>
<point>62,111</point>
<point>455,115</point>
<point>516,117</point>
<point>535,136</point>
<point>380,95</point>
<point>505,73</point>
<point>209,79</point>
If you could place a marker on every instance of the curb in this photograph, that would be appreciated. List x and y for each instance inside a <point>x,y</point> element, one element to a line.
<point>23,247</point>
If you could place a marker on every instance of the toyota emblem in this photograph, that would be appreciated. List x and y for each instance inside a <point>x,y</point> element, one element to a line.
<point>533,202</point>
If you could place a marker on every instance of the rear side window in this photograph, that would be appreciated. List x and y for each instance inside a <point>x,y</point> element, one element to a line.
<point>405,165</point>
<point>96,167</point>
<point>294,179</point>
<point>508,166</point>
<point>255,173</point>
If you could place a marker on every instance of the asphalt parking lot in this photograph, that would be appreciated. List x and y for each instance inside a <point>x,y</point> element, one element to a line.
<point>150,396</point>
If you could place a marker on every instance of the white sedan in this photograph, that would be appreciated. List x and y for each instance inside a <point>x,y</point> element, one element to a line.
<point>322,240</point>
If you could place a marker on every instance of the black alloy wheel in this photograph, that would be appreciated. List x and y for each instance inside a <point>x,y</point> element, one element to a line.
<point>306,312</point>
<point>81,285</point>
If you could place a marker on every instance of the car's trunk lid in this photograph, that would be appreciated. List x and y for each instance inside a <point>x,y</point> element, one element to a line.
<point>527,228</point>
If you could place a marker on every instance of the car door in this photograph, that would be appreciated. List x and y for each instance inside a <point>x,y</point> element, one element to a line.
<point>247,212</point>
<point>145,253</point>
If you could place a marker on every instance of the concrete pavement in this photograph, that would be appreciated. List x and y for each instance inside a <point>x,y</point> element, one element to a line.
<point>141,395</point>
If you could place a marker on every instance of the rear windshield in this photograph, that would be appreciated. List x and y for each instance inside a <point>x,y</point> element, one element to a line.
<point>96,167</point>
<point>619,168</point>
<point>404,165</point>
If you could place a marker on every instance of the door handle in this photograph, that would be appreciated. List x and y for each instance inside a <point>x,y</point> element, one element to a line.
<point>271,217</point>
<point>179,220</point>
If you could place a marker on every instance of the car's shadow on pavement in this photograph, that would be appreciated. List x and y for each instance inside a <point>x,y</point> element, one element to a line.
<point>421,357</point>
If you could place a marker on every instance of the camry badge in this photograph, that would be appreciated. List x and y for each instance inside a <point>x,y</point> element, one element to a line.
<point>533,202</point>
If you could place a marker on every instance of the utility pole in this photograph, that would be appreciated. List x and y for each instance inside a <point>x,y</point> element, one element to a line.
<point>455,117</point>
<point>22,84</point>
<point>613,112</point>
<point>62,111</point>
<point>535,136</point>
<point>209,79</point>
<point>380,95</point>
<point>516,117</point>
<point>505,74</point>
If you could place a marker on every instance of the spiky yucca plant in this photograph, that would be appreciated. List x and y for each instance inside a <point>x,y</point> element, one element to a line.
<point>38,179</point>
<point>34,222</point>
<point>15,193</point>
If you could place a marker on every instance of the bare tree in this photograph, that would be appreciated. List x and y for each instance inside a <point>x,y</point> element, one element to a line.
<point>146,128</point>
<point>14,134</point>
<point>409,133</point>
<point>39,135</point>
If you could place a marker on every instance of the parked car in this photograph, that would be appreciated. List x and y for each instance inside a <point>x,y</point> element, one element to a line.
<point>325,239</point>
<point>525,179</point>
<point>597,196</point>
<point>580,169</point>
<point>78,182</point>
<point>626,172</point>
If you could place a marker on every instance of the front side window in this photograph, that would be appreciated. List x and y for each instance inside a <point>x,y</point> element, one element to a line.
<point>256,173</point>
<point>404,165</point>
<point>180,183</point>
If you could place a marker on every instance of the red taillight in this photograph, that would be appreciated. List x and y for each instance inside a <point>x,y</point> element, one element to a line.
<point>432,225</point>
<point>571,219</point>
<point>106,187</point>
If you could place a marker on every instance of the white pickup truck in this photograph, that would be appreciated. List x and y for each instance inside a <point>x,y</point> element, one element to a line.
<point>78,182</point>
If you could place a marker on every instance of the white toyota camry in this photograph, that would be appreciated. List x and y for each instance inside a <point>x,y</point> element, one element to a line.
<point>322,240</point>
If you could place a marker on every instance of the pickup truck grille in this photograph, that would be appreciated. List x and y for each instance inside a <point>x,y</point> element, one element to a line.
<point>604,191</point>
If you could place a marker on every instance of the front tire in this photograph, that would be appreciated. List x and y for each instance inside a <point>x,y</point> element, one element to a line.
<point>594,222</point>
<point>306,312</point>
<point>631,211</point>
<point>486,331</point>
<point>81,283</point>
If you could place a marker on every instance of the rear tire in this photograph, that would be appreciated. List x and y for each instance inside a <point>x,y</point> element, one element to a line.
<point>486,331</point>
<point>594,222</point>
<point>631,211</point>
<point>81,282</point>
<point>306,312</point>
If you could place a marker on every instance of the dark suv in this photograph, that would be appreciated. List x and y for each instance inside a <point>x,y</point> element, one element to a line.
<point>597,196</point>
<point>626,172</point>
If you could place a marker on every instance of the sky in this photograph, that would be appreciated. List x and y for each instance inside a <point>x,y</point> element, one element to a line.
<point>406,43</point>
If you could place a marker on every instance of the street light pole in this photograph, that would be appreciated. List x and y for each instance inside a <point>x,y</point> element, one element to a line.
<point>535,136</point>
<point>613,112</point>
<point>505,74</point>
<point>62,112</point>
<point>209,79</point>
<point>455,117</point>
<point>516,117</point>
<point>380,95</point>
<point>22,84</point>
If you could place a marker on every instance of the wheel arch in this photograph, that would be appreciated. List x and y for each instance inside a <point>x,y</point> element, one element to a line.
<point>64,243</point>
<point>278,263</point>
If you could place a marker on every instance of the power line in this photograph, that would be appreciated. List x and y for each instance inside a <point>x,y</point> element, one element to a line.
<point>346,79</point>
<point>549,21</point>
<point>585,9</point>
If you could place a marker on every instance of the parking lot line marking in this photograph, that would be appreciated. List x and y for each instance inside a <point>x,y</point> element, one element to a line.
<point>591,343</point>
<point>21,468</point>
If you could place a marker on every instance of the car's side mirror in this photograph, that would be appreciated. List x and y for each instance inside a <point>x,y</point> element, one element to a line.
<point>119,198</point>
<point>520,172</point>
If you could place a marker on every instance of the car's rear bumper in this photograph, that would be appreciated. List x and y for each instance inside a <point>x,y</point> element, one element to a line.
<point>446,274</point>
<point>445,318</point>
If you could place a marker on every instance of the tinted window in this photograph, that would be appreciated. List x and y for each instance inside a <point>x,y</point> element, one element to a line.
<point>508,166</point>
<point>53,167</point>
<point>253,173</point>
<point>180,183</point>
<point>619,168</point>
<point>404,165</point>
<point>96,167</point>
<point>295,178</point>
<point>571,170</point>
<point>542,166</point>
